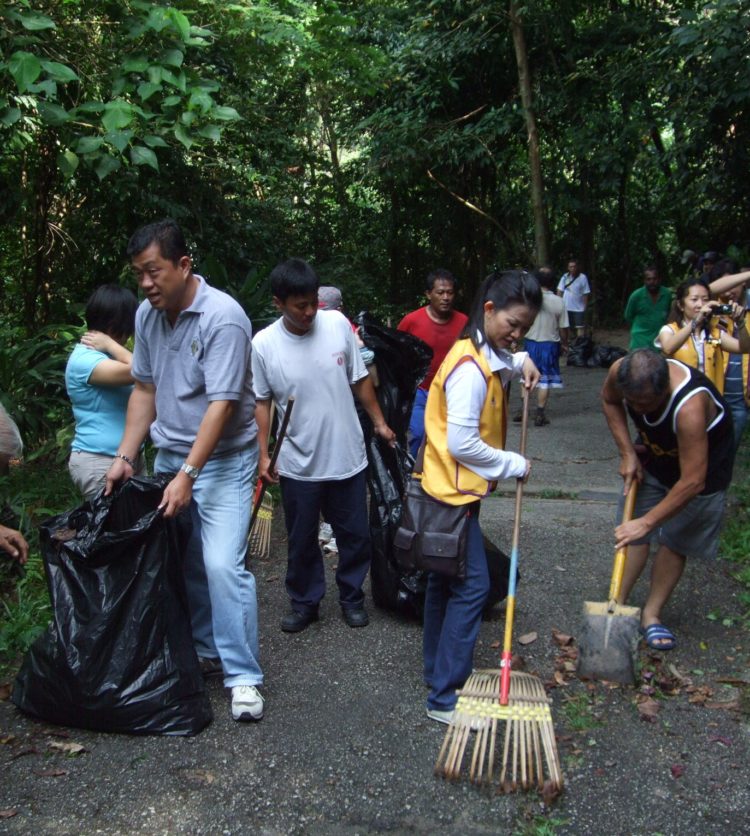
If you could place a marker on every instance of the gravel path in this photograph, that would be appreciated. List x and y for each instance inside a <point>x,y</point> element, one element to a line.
<point>345,747</point>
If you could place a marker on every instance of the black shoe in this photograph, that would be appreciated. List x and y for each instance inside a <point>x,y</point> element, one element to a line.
<point>295,622</point>
<point>356,616</point>
<point>541,419</point>
<point>518,417</point>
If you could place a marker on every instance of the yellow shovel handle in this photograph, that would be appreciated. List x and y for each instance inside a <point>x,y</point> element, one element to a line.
<point>621,555</point>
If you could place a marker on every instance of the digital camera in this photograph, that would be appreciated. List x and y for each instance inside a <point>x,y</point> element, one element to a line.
<point>722,310</point>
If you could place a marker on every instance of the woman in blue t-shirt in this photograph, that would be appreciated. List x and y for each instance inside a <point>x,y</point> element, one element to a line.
<point>99,381</point>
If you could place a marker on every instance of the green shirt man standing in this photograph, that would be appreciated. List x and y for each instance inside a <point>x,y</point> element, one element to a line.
<point>647,309</point>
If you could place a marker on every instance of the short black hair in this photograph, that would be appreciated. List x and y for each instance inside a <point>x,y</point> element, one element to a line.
<point>166,233</point>
<point>643,370</point>
<point>293,277</point>
<point>546,277</point>
<point>437,275</point>
<point>111,310</point>
<point>651,268</point>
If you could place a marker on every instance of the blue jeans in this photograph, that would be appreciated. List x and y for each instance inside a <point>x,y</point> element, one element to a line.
<point>221,592</point>
<point>739,412</point>
<point>344,505</point>
<point>416,422</point>
<point>452,618</point>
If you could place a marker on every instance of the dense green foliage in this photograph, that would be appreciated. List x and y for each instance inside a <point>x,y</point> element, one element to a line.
<point>376,138</point>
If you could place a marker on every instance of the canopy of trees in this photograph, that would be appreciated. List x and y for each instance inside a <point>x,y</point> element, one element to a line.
<point>378,138</point>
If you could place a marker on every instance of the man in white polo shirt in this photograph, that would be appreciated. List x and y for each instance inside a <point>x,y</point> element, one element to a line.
<point>193,393</point>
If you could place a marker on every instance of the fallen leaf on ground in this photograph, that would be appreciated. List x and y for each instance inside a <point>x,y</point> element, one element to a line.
<point>610,764</point>
<point>699,694</point>
<point>560,679</point>
<point>271,578</point>
<point>716,738</point>
<point>562,639</point>
<point>648,709</point>
<point>8,738</point>
<point>8,813</point>
<point>5,689</point>
<point>29,750</point>
<point>495,645</point>
<point>561,569</point>
<point>528,638</point>
<point>733,705</point>
<point>678,770</point>
<point>51,773</point>
<point>69,748</point>
<point>732,680</point>
<point>517,663</point>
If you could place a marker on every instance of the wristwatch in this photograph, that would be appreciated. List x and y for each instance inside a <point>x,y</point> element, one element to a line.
<point>192,472</point>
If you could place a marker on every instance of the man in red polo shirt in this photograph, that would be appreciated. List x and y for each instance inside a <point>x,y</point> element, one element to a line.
<point>438,325</point>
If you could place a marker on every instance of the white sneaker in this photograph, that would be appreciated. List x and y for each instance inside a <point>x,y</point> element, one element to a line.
<point>441,716</point>
<point>325,532</point>
<point>247,703</point>
<point>331,547</point>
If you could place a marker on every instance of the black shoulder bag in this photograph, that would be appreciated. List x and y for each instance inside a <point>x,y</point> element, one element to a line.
<point>432,534</point>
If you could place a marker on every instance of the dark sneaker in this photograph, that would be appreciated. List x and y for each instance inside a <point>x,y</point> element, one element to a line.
<point>356,616</point>
<point>296,622</point>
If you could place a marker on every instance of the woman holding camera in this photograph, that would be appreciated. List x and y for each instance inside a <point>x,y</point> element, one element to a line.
<point>697,331</point>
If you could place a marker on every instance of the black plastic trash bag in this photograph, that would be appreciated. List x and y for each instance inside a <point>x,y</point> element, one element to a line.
<point>392,588</point>
<point>580,351</point>
<point>402,361</point>
<point>604,355</point>
<point>118,654</point>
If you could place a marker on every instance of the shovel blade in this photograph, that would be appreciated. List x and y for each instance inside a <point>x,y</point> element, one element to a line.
<point>607,643</point>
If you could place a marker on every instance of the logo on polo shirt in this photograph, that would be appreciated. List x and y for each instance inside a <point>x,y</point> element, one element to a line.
<point>195,347</point>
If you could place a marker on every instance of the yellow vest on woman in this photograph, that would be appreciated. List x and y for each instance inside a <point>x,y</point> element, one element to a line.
<point>442,476</point>
<point>713,360</point>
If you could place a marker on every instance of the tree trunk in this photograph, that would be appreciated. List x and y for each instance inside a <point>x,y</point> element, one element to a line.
<point>541,226</point>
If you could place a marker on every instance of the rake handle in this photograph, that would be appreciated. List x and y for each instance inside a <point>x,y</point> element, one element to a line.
<point>260,488</point>
<point>507,654</point>
<point>621,555</point>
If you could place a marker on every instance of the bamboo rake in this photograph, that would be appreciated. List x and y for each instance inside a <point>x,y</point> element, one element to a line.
<point>493,697</point>
<point>259,539</point>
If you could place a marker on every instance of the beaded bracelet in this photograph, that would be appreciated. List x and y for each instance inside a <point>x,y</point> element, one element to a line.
<point>125,459</point>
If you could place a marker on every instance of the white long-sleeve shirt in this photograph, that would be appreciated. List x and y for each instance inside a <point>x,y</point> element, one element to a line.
<point>465,393</point>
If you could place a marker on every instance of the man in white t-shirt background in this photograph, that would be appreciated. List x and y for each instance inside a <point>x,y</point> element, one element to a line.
<point>312,355</point>
<point>575,291</point>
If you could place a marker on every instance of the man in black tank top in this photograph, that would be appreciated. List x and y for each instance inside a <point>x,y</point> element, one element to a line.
<point>687,430</point>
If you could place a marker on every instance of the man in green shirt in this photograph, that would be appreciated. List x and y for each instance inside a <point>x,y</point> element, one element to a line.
<point>647,309</point>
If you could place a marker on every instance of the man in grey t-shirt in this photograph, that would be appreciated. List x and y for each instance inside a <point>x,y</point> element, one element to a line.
<point>312,355</point>
<point>193,393</point>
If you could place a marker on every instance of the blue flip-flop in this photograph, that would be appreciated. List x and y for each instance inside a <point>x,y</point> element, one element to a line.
<point>659,637</point>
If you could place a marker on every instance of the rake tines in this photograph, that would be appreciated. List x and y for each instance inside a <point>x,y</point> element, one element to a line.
<point>529,756</point>
<point>259,540</point>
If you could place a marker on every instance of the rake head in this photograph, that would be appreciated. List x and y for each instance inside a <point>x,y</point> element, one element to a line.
<point>529,749</point>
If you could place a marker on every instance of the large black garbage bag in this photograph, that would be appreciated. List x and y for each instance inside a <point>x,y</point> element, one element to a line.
<point>118,654</point>
<point>580,351</point>
<point>402,361</point>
